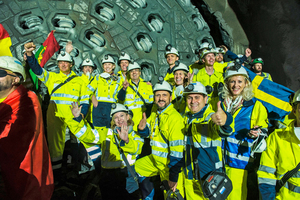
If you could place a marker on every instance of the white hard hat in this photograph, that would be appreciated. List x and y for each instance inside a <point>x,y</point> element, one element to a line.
<point>195,87</point>
<point>296,97</point>
<point>133,66</point>
<point>13,65</point>
<point>88,62</point>
<point>164,85</point>
<point>118,108</point>
<point>64,56</point>
<point>181,66</point>
<point>231,72</point>
<point>205,45</point>
<point>171,50</point>
<point>207,51</point>
<point>219,50</point>
<point>107,59</point>
<point>124,56</point>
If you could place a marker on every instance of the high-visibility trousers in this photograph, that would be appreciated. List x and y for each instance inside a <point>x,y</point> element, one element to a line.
<point>193,190</point>
<point>238,178</point>
<point>147,167</point>
<point>56,132</point>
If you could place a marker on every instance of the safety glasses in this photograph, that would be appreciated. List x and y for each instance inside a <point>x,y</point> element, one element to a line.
<point>4,73</point>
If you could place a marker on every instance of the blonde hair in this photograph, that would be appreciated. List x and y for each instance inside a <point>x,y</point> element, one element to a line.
<point>247,92</point>
<point>129,122</point>
<point>185,80</point>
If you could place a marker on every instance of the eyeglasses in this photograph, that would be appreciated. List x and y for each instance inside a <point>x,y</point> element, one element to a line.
<point>4,73</point>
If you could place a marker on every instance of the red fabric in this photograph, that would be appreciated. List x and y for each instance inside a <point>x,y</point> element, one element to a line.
<point>3,32</point>
<point>24,157</point>
<point>51,46</point>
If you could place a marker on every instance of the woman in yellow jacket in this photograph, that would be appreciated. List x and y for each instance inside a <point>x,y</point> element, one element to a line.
<point>250,119</point>
<point>180,82</point>
<point>114,170</point>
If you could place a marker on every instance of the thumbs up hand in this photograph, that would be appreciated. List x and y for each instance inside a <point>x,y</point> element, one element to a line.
<point>125,84</point>
<point>143,122</point>
<point>219,117</point>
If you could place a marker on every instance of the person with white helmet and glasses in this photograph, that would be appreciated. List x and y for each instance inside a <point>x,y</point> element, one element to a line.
<point>24,157</point>
<point>203,146</point>
<point>164,127</point>
<point>105,87</point>
<point>123,62</point>
<point>136,94</point>
<point>278,173</point>
<point>64,88</point>
<point>250,129</point>
<point>116,172</point>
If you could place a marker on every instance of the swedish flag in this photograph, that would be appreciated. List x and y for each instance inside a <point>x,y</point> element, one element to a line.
<point>274,97</point>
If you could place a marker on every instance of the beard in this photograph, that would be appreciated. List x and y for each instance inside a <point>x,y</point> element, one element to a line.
<point>160,108</point>
<point>6,84</point>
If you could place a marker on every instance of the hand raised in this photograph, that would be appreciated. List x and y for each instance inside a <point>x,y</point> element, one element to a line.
<point>69,47</point>
<point>143,122</point>
<point>123,134</point>
<point>76,110</point>
<point>125,84</point>
<point>219,117</point>
<point>248,52</point>
<point>29,47</point>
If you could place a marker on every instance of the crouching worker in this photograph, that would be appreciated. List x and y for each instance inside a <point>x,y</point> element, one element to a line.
<point>164,127</point>
<point>118,179</point>
<point>203,128</point>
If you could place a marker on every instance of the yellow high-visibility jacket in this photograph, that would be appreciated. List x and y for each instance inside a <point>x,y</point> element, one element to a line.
<point>103,137</point>
<point>73,91</point>
<point>165,130</point>
<point>105,89</point>
<point>282,155</point>
<point>135,103</point>
<point>87,81</point>
<point>212,80</point>
<point>202,134</point>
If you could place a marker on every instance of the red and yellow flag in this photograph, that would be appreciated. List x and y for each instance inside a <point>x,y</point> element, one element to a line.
<point>5,42</point>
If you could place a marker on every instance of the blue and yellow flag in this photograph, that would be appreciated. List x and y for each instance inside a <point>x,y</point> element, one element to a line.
<point>274,97</point>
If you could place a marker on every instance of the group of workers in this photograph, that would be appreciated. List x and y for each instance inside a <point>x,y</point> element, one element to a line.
<point>199,119</point>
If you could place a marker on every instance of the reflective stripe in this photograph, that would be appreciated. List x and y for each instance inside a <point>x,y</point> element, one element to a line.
<point>90,88</point>
<point>176,143</point>
<point>116,89</point>
<point>65,95</point>
<point>113,100</point>
<point>94,152</point>
<point>177,154</point>
<point>96,134</point>
<point>81,132</point>
<point>218,164</point>
<point>84,102</point>
<point>239,142</point>
<point>61,102</point>
<point>138,138</point>
<point>158,144</point>
<point>225,133</point>
<point>267,169</point>
<point>239,157</point>
<point>266,181</point>
<point>292,187</point>
<point>58,166</point>
<point>85,97</point>
<point>160,154</point>
<point>151,96</point>
<point>213,143</point>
